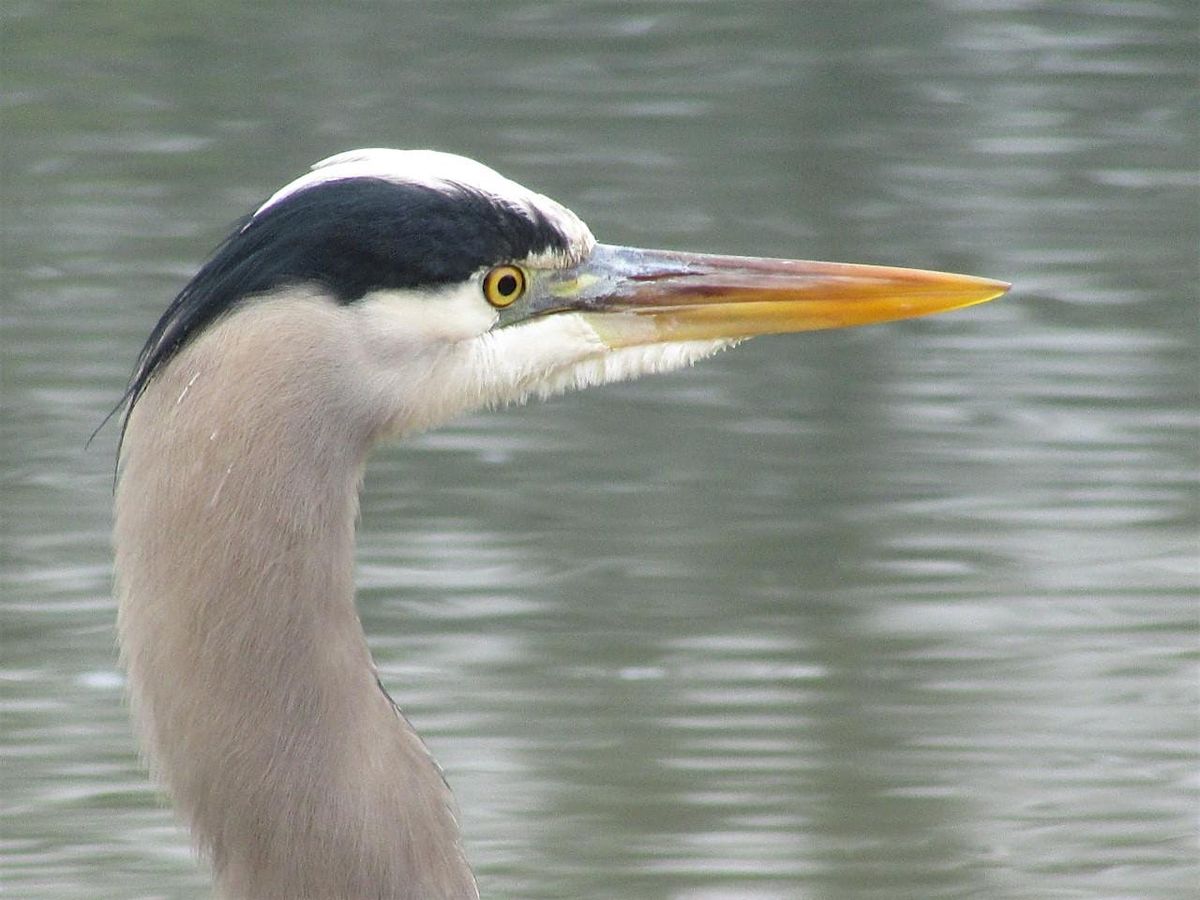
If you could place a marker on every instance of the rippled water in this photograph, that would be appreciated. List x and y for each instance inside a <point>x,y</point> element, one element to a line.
<point>905,611</point>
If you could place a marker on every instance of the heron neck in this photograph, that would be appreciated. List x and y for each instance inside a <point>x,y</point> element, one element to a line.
<point>249,672</point>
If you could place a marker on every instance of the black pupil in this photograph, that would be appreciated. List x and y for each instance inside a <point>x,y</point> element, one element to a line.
<point>507,285</point>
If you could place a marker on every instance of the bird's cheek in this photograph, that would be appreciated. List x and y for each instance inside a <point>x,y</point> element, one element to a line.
<point>413,320</point>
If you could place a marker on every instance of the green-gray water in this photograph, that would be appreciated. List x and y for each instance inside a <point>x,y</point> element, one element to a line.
<point>908,611</point>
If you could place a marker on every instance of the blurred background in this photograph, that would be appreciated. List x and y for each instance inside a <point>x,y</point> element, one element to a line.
<point>907,611</point>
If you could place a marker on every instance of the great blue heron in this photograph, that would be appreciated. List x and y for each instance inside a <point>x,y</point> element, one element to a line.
<point>380,294</point>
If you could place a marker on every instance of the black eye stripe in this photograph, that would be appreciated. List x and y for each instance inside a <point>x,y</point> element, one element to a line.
<point>351,237</point>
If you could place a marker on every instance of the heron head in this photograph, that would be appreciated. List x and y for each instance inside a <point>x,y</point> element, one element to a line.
<point>465,289</point>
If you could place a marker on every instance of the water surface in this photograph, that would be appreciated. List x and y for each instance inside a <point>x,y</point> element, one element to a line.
<point>908,611</point>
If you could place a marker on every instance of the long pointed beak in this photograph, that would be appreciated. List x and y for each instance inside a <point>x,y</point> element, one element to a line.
<point>634,296</point>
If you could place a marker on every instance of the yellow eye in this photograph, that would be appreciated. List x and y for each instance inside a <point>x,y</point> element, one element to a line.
<point>503,285</point>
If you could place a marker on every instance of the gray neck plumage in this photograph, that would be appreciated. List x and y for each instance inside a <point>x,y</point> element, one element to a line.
<point>254,691</point>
